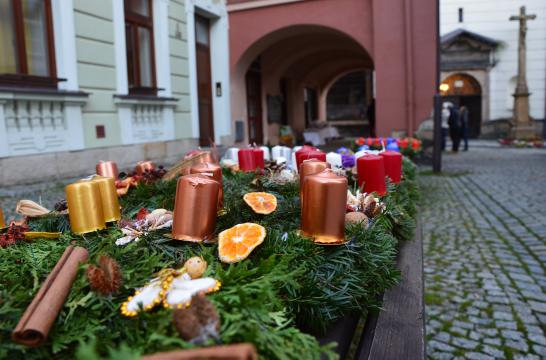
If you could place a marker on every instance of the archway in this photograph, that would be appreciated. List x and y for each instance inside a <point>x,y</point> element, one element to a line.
<point>349,101</point>
<point>464,90</point>
<point>282,79</point>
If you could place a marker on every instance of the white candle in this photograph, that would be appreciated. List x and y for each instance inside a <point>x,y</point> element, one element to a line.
<point>334,159</point>
<point>267,155</point>
<point>231,154</point>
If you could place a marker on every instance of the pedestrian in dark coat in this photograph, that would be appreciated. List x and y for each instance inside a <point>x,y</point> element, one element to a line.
<point>455,128</point>
<point>464,125</point>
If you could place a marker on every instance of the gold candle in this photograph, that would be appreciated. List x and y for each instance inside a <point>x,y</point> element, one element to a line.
<point>84,207</point>
<point>2,222</point>
<point>310,167</point>
<point>323,208</point>
<point>107,169</point>
<point>143,166</point>
<point>195,208</point>
<point>109,198</point>
<point>215,172</point>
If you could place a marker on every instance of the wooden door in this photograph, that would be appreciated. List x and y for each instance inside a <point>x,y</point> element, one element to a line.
<point>204,81</point>
<point>254,106</point>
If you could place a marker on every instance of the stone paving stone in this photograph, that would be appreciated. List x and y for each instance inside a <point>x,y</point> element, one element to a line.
<point>493,351</point>
<point>484,253</point>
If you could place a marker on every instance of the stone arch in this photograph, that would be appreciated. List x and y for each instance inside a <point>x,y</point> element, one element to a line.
<point>307,55</point>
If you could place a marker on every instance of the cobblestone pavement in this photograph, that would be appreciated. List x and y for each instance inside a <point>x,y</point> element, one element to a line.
<point>485,255</point>
<point>46,194</point>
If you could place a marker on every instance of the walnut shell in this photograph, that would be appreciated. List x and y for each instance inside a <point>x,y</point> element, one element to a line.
<point>195,267</point>
<point>356,217</point>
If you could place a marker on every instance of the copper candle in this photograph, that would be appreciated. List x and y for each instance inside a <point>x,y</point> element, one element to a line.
<point>196,158</point>
<point>85,207</point>
<point>323,207</point>
<point>107,169</point>
<point>310,167</point>
<point>215,172</point>
<point>109,198</point>
<point>144,166</point>
<point>195,208</point>
<point>2,222</point>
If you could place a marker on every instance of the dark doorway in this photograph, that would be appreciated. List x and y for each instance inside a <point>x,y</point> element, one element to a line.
<point>254,104</point>
<point>204,82</point>
<point>310,98</point>
<point>463,89</point>
<point>474,106</point>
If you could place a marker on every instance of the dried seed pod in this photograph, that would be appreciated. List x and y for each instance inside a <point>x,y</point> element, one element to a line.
<point>105,278</point>
<point>199,322</point>
<point>186,323</point>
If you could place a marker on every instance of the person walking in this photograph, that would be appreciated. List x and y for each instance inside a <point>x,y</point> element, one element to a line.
<point>445,123</point>
<point>464,126</point>
<point>454,122</point>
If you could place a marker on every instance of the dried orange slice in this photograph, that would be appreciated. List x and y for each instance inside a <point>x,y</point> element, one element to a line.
<point>261,202</point>
<point>236,243</point>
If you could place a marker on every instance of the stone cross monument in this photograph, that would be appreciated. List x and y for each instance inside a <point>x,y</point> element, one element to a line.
<point>523,126</point>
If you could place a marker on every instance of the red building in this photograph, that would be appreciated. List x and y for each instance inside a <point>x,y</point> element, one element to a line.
<point>294,62</point>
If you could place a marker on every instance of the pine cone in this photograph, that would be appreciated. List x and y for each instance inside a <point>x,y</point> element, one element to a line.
<point>61,206</point>
<point>368,206</point>
<point>105,278</point>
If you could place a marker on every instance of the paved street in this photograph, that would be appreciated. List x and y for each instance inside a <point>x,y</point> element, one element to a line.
<point>485,255</point>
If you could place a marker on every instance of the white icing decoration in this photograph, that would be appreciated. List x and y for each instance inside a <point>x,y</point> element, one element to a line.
<point>182,290</point>
<point>147,296</point>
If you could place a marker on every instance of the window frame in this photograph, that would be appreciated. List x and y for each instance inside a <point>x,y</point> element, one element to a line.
<point>21,77</point>
<point>132,22</point>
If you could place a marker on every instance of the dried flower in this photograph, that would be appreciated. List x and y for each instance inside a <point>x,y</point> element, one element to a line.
<point>14,234</point>
<point>30,208</point>
<point>106,277</point>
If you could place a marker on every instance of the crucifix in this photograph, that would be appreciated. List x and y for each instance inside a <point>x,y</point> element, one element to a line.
<point>523,127</point>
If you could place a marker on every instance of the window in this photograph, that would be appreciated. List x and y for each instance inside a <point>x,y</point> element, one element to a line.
<point>461,15</point>
<point>139,33</point>
<point>27,56</point>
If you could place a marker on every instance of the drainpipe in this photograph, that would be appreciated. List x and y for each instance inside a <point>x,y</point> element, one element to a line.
<point>409,68</point>
<point>437,151</point>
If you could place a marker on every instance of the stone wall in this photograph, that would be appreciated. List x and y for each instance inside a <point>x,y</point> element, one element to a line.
<point>54,166</point>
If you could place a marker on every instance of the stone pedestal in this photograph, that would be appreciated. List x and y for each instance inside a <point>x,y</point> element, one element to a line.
<point>523,126</point>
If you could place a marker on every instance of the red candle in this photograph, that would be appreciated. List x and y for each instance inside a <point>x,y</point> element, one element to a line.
<point>313,154</point>
<point>371,172</point>
<point>247,161</point>
<point>259,158</point>
<point>305,149</point>
<point>393,165</point>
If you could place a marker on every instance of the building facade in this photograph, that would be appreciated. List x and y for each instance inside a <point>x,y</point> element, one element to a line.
<point>288,56</point>
<point>83,81</point>
<point>479,60</point>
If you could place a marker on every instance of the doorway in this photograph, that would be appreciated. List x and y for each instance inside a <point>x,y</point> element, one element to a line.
<point>254,105</point>
<point>204,80</point>
<point>310,100</point>
<point>464,90</point>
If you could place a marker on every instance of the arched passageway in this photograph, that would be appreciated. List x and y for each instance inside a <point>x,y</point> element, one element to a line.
<point>464,90</point>
<point>284,78</point>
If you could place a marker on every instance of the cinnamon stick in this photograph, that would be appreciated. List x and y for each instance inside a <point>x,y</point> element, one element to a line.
<point>34,326</point>
<point>224,352</point>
